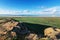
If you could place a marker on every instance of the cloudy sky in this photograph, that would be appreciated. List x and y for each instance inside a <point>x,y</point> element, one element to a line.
<point>30,7</point>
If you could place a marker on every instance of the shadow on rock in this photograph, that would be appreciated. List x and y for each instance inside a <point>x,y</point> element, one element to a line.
<point>22,29</point>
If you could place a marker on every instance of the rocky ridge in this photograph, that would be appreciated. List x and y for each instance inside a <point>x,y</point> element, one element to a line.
<point>11,29</point>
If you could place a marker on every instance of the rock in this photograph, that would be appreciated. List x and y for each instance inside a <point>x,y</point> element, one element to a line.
<point>44,38</point>
<point>5,29</point>
<point>10,29</point>
<point>9,25</point>
<point>52,33</point>
<point>13,34</point>
<point>49,31</point>
<point>31,36</point>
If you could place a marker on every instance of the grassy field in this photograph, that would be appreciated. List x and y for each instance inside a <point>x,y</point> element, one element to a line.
<point>51,21</point>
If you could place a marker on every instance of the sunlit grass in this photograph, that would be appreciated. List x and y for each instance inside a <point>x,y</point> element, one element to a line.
<point>52,21</point>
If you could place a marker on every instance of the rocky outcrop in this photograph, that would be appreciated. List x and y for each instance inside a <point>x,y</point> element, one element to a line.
<point>53,33</point>
<point>11,29</point>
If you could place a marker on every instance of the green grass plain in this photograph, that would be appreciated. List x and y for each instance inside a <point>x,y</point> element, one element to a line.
<point>51,21</point>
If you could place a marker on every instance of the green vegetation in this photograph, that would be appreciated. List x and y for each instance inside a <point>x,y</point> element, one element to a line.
<point>51,21</point>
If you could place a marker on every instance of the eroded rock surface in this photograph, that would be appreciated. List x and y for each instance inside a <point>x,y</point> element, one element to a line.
<point>11,29</point>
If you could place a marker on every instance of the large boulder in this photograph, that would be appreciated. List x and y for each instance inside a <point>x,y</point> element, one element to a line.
<point>52,33</point>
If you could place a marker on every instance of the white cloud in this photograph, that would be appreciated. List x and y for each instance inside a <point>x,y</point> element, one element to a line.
<point>45,11</point>
<point>48,11</point>
<point>53,16</point>
<point>14,12</point>
<point>25,11</point>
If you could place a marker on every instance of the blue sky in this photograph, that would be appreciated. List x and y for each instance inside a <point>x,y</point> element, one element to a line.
<point>30,7</point>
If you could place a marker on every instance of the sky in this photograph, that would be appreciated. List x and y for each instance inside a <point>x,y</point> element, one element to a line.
<point>30,7</point>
